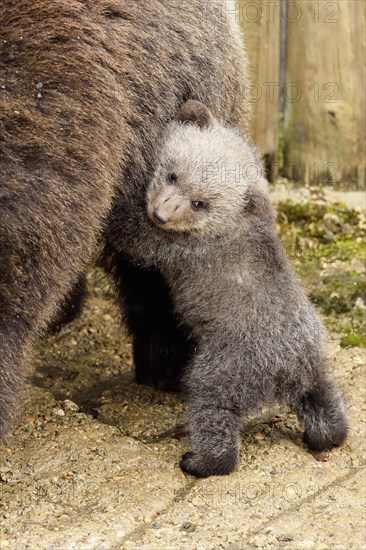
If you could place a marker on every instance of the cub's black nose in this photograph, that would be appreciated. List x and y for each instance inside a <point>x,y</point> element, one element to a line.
<point>160,218</point>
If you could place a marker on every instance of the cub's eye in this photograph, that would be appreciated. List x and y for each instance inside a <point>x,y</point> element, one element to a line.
<point>172,178</point>
<point>199,205</point>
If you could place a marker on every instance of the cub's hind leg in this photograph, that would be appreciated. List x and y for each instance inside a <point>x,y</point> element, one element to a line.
<point>322,412</point>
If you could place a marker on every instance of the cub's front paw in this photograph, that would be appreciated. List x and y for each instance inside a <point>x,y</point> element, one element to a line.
<point>196,465</point>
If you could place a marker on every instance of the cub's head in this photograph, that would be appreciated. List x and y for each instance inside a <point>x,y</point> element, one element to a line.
<point>204,176</point>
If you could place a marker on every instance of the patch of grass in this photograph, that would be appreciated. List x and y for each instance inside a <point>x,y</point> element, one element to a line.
<point>353,340</point>
<point>322,232</point>
<point>305,214</point>
<point>333,304</point>
<point>321,241</point>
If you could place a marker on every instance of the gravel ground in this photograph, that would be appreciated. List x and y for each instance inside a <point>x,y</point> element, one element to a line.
<point>93,463</point>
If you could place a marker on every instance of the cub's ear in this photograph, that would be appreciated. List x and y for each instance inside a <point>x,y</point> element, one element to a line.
<point>258,201</point>
<point>197,113</point>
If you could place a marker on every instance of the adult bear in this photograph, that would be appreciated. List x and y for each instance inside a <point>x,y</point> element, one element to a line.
<point>86,90</point>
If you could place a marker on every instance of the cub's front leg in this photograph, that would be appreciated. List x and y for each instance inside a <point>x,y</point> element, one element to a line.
<point>214,416</point>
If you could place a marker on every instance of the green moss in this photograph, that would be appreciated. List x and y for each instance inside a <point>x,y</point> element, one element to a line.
<point>326,223</point>
<point>321,240</point>
<point>344,328</point>
<point>322,233</point>
<point>358,290</point>
<point>306,212</point>
<point>300,213</point>
<point>330,305</point>
<point>353,340</point>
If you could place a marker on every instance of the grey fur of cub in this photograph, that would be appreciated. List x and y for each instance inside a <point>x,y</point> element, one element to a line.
<point>258,337</point>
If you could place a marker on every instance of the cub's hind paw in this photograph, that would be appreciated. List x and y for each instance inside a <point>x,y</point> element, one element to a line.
<point>196,465</point>
<point>192,464</point>
<point>319,442</point>
<point>324,437</point>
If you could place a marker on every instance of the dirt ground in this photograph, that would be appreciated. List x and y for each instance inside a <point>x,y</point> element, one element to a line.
<point>93,463</point>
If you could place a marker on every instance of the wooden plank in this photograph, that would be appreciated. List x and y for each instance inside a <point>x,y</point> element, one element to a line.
<point>324,126</point>
<point>260,20</point>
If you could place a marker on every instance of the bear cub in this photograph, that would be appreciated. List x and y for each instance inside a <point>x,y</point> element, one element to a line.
<point>258,338</point>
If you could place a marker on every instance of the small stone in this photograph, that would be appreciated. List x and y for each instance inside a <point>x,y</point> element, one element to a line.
<point>260,541</point>
<point>187,527</point>
<point>360,304</point>
<point>59,412</point>
<point>332,218</point>
<point>306,544</point>
<point>259,436</point>
<point>70,406</point>
<point>284,538</point>
<point>5,476</point>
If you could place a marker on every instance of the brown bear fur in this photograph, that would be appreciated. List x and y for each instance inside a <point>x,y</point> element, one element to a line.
<point>86,89</point>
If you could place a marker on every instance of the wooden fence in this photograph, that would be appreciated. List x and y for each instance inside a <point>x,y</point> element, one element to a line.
<point>308,75</point>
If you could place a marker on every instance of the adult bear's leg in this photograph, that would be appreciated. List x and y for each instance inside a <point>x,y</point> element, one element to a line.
<point>47,233</point>
<point>63,132</point>
<point>160,346</point>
